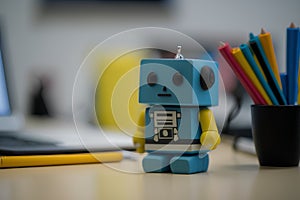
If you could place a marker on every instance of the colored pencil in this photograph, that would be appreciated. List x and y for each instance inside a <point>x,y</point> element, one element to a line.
<point>225,51</point>
<point>240,58</point>
<point>250,59</point>
<point>59,159</point>
<point>283,77</point>
<point>298,102</point>
<point>258,51</point>
<point>292,62</point>
<point>265,39</point>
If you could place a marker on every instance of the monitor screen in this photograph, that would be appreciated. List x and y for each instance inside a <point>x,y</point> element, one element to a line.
<point>4,101</point>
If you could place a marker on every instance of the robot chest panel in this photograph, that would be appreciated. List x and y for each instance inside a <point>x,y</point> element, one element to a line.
<point>165,125</point>
<point>171,125</point>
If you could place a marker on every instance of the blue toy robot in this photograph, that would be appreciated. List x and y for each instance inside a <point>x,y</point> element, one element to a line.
<point>179,129</point>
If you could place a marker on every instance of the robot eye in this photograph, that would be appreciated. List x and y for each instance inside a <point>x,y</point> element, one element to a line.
<point>152,78</point>
<point>207,78</point>
<point>177,79</point>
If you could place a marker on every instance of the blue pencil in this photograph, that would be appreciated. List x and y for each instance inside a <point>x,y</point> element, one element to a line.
<point>292,62</point>
<point>283,78</point>
<point>249,57</point>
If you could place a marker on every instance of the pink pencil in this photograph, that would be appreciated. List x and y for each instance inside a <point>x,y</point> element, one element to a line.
<point>225,50</point>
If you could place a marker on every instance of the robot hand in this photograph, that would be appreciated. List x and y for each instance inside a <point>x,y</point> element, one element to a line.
<point>210,140</point>
<point>210,137</point>
<point>139,136</point>
<point>139,142</point>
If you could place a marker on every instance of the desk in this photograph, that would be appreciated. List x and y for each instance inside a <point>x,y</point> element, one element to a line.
<point>232,175</point>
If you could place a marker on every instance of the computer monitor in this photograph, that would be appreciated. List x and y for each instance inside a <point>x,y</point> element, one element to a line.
<point>9,119</point>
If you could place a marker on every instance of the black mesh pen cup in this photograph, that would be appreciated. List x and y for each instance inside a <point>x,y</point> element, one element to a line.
<point>276,134</point>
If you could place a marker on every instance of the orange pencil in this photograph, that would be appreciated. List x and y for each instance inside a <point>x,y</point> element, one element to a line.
<point>265,39</point>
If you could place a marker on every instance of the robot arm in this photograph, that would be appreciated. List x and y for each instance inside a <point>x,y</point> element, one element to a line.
<point>210,137</point>
<point>139,135</point>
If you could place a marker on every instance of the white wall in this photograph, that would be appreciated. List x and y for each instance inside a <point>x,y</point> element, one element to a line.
<point>55,39</point>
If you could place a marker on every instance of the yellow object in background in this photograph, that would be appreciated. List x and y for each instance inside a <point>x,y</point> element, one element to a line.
<point>117,106</point>
<point>59,159</point>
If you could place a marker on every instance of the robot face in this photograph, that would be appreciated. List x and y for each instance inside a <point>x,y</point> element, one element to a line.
<point>178,82</point>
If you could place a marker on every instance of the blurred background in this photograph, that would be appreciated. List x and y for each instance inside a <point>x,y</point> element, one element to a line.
<point>47,40</point>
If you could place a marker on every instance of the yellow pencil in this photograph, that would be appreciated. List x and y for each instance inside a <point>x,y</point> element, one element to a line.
<point>299,87</point>
<point>265,39</point>
<point>240,58</point>
<point>59,159</point>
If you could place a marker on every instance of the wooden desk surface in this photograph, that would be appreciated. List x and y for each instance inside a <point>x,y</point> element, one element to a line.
<point>232,175</point>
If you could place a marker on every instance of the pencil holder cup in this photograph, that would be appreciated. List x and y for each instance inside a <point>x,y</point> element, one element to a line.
<point>276,134</point>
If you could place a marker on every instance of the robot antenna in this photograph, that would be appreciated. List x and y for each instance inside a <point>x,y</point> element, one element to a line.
<point>179,55</point>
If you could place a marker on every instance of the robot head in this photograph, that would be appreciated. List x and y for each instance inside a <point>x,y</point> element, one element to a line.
<point>189,82</point>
